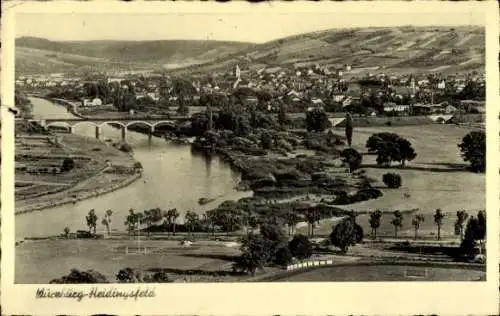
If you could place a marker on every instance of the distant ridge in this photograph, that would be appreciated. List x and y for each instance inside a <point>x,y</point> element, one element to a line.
<point>39,55</point>
<point>406,48</point>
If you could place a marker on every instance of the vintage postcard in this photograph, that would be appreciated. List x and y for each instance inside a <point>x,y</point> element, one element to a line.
<point>182,158</point>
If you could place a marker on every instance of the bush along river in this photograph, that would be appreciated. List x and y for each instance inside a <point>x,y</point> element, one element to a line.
<point>173,177</point>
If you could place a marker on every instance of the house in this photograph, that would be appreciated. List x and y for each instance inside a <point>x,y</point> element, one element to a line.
<point>317,101</point>
<point>392,107</point>
<point>450,109</point>
<point>338,97</point>
<point>93,102</point>
<point>96,102</point>
<point>441,85</point>
<point>349,100</point>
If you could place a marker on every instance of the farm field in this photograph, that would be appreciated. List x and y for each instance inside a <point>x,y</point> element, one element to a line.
<point>40,189</point>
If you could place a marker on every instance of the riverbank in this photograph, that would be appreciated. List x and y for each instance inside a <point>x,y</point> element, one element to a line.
<point>106,170</point>
<point>35,206</point>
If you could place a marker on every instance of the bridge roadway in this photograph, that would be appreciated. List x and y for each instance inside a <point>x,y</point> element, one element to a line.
<point>123,122</point>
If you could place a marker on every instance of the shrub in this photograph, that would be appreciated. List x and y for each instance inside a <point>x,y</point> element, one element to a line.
<point>317,120</point>
<point>67,165</point>
<point>300,247</point>
<point>392,180</point>
<point>158,277</point>
<point>76,276</point>
<point>345,234</point>
<point>129,275</point>
<point>125,148</point>
<point>283,256</point>
<point>352,158</point>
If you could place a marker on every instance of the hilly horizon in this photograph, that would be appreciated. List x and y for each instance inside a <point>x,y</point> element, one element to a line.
<point>39,55</point>
<point>446,49</point>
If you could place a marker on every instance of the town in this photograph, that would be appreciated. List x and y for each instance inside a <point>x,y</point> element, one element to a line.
<point>300,89</point>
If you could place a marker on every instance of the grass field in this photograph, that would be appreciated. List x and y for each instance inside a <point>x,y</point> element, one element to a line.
<point>364,273</point>
<point>437,178</point>
<point>41,261</point>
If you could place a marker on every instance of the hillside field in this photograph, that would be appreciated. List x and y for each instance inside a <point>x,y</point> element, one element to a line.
<point>394,50</point>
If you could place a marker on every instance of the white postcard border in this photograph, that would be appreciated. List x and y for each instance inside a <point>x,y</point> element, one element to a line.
<point>454,298</point>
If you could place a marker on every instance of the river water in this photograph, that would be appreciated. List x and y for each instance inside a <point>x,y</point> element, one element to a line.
<point>173,177</point>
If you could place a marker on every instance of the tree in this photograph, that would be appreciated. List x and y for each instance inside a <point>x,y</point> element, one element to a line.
<point>390,147</point>
<point>275,238</point>
<point>481,226</point>
<point>191,221</point>
<point>317,120</point>
<point>352,158</point>
<point>312,217</point>
<point>150,216</point>
<point>66,232</point>
<point>330,138</point>
<point>375,222</point>
<point>468,245</point>
<point>173,215</point>
<point>67,165</point>
<point>211,218</point>
<point>417,220</point>
<point>392,180</point>
<point>266,140</point>
<point>131,221</point>
<point>397,222</point>
<point>300,247</point>
<point>473,150</point>
<point>282,117</point>
<point>459,223</point>
<point>438,220</point>
<point>348,128</point>
<point>255,254</point>
<point>106,221</point>
<point>291,218</point>
<point>92,221</point>
<point>78,277</point>
<point>345,234</point>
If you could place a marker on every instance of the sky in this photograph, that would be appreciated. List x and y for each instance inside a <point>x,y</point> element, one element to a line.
<point>255,27</point>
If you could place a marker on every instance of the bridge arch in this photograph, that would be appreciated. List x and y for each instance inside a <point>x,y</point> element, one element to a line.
<point>165,123</point>
<point>112,122</point>
<point>86,122</point>
<point>59,124</point>
<point>140,123</point>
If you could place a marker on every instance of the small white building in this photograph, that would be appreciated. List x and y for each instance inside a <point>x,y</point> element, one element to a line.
<point>396,108</point>
<point>91,103</point>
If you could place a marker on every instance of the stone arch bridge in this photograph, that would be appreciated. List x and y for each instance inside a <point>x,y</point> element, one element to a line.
<point>123,123</point>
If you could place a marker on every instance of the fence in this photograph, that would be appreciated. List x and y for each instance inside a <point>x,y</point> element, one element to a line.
<point>309,264</point>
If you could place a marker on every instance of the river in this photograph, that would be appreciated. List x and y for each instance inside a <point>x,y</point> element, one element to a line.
<point>173,177</point>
